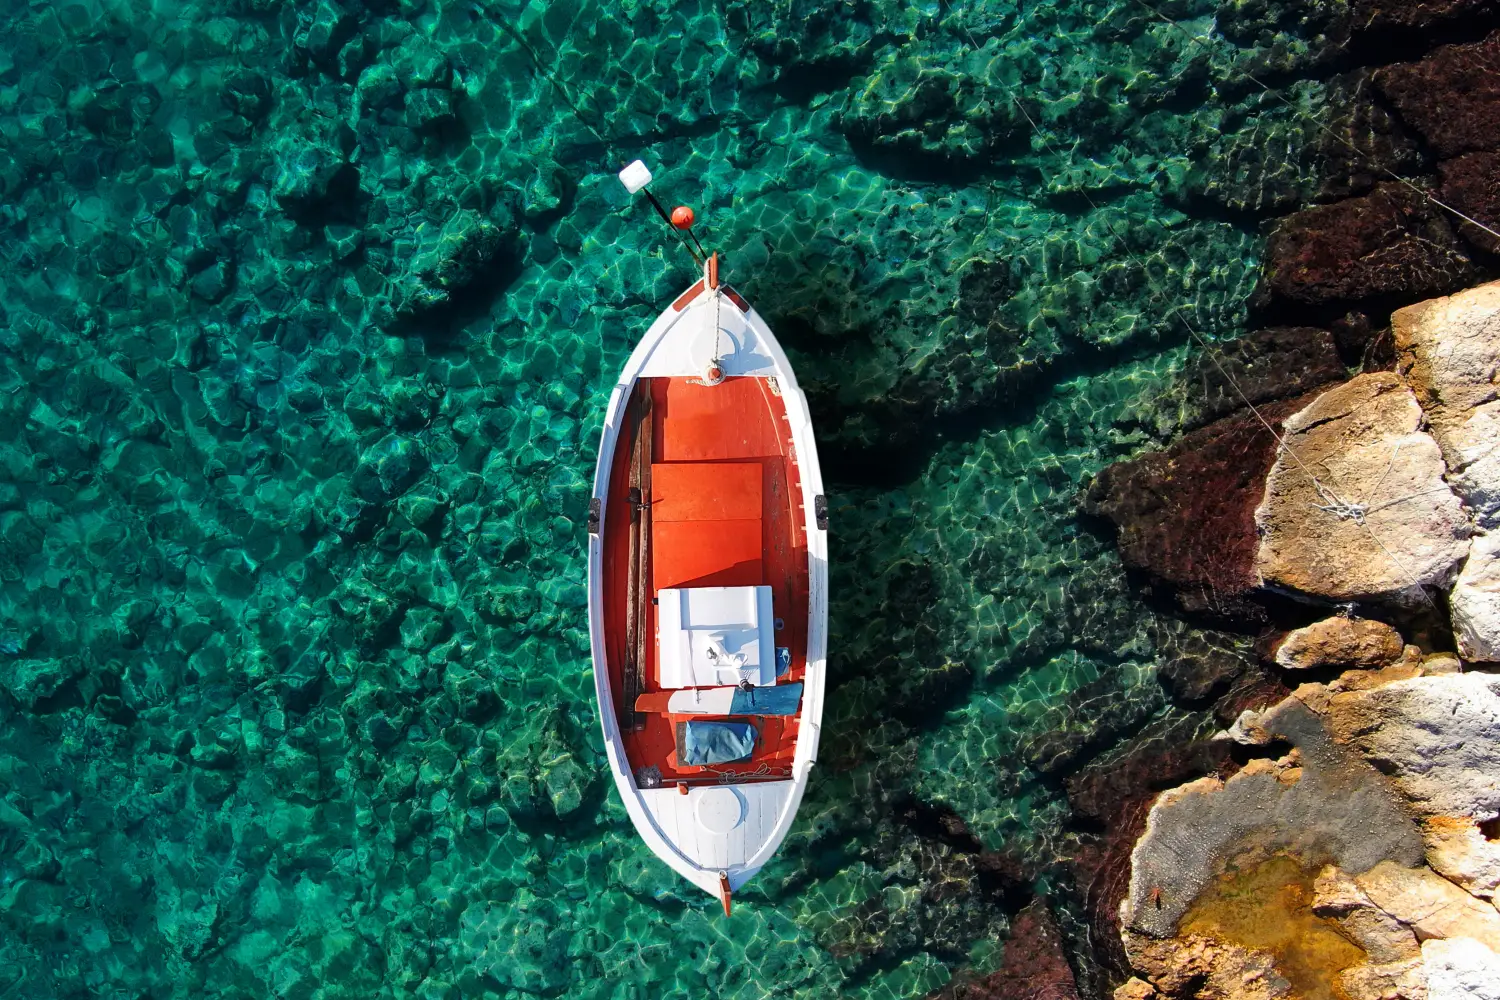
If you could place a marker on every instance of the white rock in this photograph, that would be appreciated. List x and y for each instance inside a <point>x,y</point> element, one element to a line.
<point>1461,969</point>
<point>1438,738</point>
<point>1474,603</point>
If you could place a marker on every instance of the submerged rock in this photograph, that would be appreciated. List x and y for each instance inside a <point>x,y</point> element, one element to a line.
<point>1356,506</point>
<point>1451,97</point>
<point>1390,242</point>
<point>1035,964</point>
<point>1187,515</point>
<point>451,260</point>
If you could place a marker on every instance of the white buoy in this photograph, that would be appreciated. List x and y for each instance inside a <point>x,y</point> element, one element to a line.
<point>635,176</point>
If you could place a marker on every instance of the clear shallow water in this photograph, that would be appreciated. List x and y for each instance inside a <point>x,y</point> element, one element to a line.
<point>308,317</point>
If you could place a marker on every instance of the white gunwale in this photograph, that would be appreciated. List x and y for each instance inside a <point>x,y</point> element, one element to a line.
<point>670,347</point>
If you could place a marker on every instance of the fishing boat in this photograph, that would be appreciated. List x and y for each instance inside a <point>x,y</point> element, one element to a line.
<point>708,584</point>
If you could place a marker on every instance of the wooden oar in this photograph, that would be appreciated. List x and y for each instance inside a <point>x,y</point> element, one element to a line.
<point>637,586</point>
<point>642,606</point>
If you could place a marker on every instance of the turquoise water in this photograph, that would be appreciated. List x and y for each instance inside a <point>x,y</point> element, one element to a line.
<point>308,315</point>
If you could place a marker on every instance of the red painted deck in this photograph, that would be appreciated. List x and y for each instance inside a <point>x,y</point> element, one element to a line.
<point>725,511</point>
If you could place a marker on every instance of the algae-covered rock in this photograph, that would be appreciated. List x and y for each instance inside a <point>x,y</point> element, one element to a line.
<point>1390,242</point>
<point>1450,97</point>
<point>462,256</point>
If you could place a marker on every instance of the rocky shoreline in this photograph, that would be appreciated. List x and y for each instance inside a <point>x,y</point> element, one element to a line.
<point>1342,841</point>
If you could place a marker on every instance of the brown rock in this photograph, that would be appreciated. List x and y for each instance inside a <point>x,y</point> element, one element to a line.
<point>1382,937</point>
<point>1390,242</point>
<point>1471,184</point>
<point>1405,980</point>
<point>1253,933</point>
<point>1135,989</point>
<point>1187,515</point>
<point>1034,967</point>
<point>1343,643</point>
<point>1378,522</point>
<point>1382,15</point>
<point>1212,969</point>
<point>1451,97</point>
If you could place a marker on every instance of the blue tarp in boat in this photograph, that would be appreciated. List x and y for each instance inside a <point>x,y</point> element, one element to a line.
<point>782,699</point>
<point>714,742</point>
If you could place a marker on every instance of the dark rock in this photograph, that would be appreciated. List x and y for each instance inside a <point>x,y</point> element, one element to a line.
<point>389,468</point>
<point>1197,665</point>
<point>211,283</point>
<point>1187,515</point>
<point>1369,16</point>
<point>1452,97</point>
<point>429,107</point>
<point>384,733</point>
<point>1035,964</point>
<point>1260,367</point>
<point>1097,715</point>
<point>1112,796</point>
<point>460,258</point>
<point>248,94</point>
<point>1471,184</point>
<point>1391,242</point>
<point>1255,689</point>
<point>1362,143</point>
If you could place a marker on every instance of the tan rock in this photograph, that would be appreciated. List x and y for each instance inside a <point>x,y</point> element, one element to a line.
<point>1341,643</point>
<point>1364,680</point>
<point>1449,353</point>
<point>1338,897</point>
<point>1441,663</point>
<point>1459,851</point>
<point>1135,989</point>
<point>1364,442</point>
<point>1248,731</point>
<point>1223,971</point>
<point>1429,904</point>
<point>1405,980</point>
<point>1449,350</point>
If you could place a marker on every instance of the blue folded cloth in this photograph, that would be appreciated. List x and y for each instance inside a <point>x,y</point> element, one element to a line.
<point>700,743</point>
<point>780,699</point>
